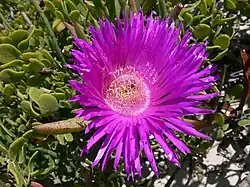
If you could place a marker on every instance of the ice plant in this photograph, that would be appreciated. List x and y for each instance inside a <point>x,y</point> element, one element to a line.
<point>139,79</point>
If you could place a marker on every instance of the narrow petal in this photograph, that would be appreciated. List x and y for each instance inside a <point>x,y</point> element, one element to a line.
<point>118,153</point>
<point>178,143</point>
<point>167,149</point>
<point>145,145</point>
<point>203,96</point>
<point>99,122</point>
<point>99,134</point>
<point>184,127</point>
<point>110,137</point>
<point>157,132</point>
<point>113,144</point>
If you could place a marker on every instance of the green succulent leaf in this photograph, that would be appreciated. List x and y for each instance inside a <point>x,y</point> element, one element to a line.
<point>223,41</point>
<point>46,62</point>
<point>202,30</point>
<point>11,76</point>
<point>24,44</point>
<point>7,131</point>
<point>3,149</point>
<point>61,139</point>
<point>219,118</point>
<point>6,40</point>
<point>59,96</point>
<point>47,55</point>
<point>14,169</point>
<point>71,5</point>
<point>26,56</point>
<point>13,63</point>
<point>244,123</point>
<point>48,104</point>
<point>64,104</point>
<point>59,15</point>
<point>31,165</point>
<point>8,90</point>
<point>50,6</point>
<point>8,53</point>
<point>47,151</point>
<point>35,94</point>
<point>68,137</point>
<point>225,127</point>
<point>229,5</point>
<point>18,36</point>
<point>28,109</point>
<point>15,148</point>
<point>74,15</point>
<point>35,66</point>
<point>188,19</point>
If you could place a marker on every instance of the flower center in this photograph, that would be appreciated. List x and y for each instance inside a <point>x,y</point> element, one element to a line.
<point>127,93</point>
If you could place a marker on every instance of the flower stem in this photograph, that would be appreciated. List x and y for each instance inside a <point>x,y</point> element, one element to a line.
<point>5,23</point>
<point>51,33</point>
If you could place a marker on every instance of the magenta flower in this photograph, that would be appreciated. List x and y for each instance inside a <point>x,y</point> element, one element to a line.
<point>139,80</point>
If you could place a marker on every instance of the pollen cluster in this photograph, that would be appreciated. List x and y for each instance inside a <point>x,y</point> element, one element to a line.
<point>127,93</point>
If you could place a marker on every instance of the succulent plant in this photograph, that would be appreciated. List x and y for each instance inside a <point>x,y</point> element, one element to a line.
<point>35,44</point>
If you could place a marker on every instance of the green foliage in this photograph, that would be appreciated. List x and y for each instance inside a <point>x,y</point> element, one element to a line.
<point>47,104</point>
<point>8,53</point>
<point>244,122</point>
<point>18,36</point>
<point>202,30</point>
<point>35,41</point>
